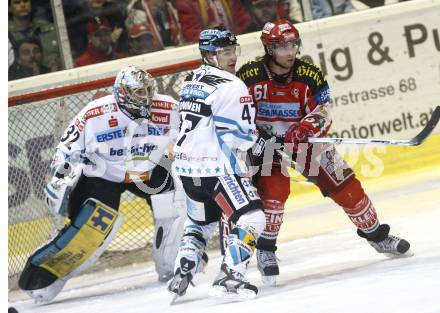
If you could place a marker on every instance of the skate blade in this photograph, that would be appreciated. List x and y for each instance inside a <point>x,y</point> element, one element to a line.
<point>407,254</point>
<point>174,288</point>
<point>269,281</point>
<point>174,299</point>
<point>240,295</point>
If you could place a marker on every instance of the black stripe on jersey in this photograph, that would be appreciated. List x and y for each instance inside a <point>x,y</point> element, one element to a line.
<point>195,107</point>
<point>309,74</point>
<point>213,80</point>
<point>252,72</point>
<point>189,76</point>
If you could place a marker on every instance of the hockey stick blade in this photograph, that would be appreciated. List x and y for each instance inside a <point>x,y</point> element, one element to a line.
<point>417,140</point>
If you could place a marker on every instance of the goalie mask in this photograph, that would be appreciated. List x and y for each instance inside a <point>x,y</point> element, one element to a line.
<point>133,90</point>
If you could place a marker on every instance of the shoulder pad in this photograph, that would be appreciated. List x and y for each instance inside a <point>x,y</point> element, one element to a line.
<point>252,72</point>
<point>309,74</point>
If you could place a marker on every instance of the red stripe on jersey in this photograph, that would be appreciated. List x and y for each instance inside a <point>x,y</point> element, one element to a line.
<point>164,105</point>
<point>160,118</point>
<point>100,110</point>
<point>223,204</point>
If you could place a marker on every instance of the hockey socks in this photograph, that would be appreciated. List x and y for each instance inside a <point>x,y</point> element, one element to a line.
<point>357,205</point>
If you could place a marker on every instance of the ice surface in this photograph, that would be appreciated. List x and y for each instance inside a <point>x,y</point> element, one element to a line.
<point>333,272</point>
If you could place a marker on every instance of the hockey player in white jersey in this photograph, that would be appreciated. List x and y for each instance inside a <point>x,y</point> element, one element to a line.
<point>217,125</point>
<point>115,143</point>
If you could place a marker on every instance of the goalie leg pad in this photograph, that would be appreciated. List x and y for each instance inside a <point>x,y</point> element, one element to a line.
<point>169,217</point>
<point>76,247</point>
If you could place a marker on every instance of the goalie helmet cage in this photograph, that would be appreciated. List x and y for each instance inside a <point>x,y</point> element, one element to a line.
<point>36,122</point>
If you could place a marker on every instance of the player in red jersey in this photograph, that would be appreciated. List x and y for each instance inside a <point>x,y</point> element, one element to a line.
<point>292,98</point>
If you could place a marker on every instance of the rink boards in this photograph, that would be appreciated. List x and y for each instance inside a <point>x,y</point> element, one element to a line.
<point>400,165</point>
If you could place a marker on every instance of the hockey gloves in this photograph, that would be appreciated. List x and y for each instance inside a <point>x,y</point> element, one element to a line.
<point>298,134</point>
<point>257,151</point>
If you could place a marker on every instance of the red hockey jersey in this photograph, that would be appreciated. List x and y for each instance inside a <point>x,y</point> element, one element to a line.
<point>303,95</point>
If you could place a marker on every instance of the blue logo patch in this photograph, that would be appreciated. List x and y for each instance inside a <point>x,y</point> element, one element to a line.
<point>157,130</point>
<point>111,135</point>
<point>135,151</point>
<point>235,189</point>
<point>193,91</point>
<point>322,96</point>
<point>280,110</point>
<point>98,221</point>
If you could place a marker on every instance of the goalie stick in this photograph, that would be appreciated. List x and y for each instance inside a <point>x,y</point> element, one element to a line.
<point>417,140</point>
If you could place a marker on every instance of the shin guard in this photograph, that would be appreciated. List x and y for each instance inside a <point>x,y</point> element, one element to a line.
<point>357,205</point>
<point>242,240</point>
<point>191,256</point>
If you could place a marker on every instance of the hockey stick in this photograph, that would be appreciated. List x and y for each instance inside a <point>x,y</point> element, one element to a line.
<point>417,140</point>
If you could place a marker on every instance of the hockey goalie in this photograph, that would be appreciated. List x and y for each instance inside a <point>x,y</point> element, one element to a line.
<point>112,145</point>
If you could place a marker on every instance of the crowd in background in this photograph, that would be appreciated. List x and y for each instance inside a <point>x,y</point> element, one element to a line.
<point>103,30</point>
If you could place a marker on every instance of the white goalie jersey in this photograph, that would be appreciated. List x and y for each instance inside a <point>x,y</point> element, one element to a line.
<point>217,122</point>
<point>119,147</point>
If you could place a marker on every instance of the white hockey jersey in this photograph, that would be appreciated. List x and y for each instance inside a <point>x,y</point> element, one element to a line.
<point>217,122</point>
<point>120,147</point>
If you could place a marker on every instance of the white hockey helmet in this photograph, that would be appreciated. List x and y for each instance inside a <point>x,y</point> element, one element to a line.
<point>134,90</point>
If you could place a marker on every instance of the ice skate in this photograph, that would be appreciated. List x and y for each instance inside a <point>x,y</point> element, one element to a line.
<point>182,277</point>
<point>230,284</point>
<point>389,245</point>
<point>267,264</point>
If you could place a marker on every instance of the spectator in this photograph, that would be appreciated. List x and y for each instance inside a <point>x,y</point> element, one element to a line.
<point>109,10</point>
<point>161,16</point>
<point>28,61</point>
<point>79,13</point>
<point>100,46</point>
<point>11,56</point>
<point>296,10</point>
<point>326,8</point>
<point>141,40</point>
<point>194,16</point>
<point>42,9</point>
<point>283,9</point>
<point>22,24</point>
<point>263,11</point>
